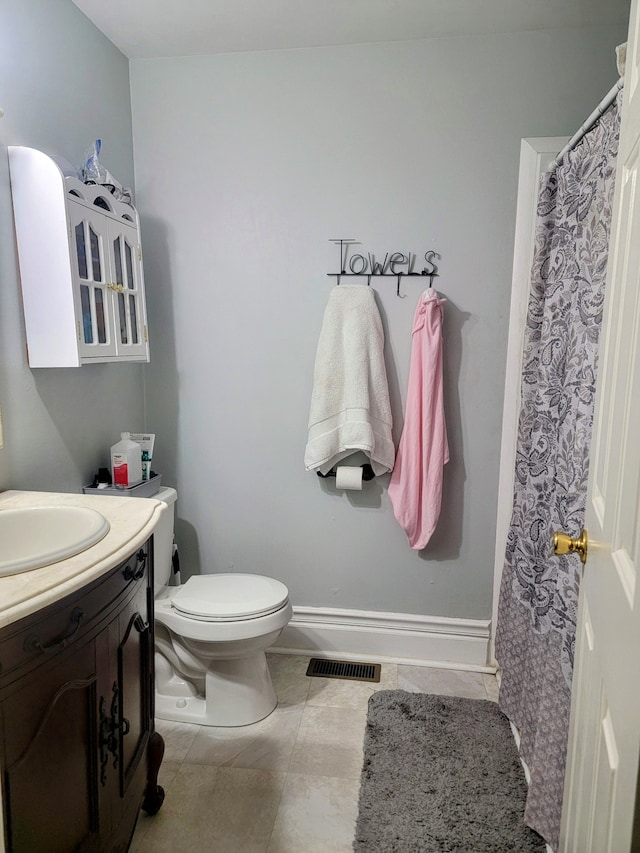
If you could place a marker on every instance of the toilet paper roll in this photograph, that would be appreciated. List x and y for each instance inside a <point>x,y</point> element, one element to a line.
<point>349,477</point>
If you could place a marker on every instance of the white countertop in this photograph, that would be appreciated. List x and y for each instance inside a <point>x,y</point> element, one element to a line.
<point>131,520</point>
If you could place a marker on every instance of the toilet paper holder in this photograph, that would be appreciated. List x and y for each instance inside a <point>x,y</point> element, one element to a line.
<point>367,473</point>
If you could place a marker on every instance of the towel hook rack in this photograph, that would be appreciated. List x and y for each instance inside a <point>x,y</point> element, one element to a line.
<point>369,266</point>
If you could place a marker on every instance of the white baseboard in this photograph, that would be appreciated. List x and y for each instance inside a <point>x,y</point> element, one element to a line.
<point>388,637</point>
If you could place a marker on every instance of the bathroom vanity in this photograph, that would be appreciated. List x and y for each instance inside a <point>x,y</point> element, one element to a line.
<point>78,751</point>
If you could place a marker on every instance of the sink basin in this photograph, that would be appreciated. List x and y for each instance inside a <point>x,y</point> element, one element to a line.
<point>33,537</point>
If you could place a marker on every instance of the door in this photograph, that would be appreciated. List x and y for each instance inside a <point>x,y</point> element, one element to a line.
<point>130,322</point>
<point>53,802</point>
<point>109,288</point>
<point>604,741</point>
<point>91,274</point>
<point>90,269</point>
<point>134,660</point>
<point>131,644</point>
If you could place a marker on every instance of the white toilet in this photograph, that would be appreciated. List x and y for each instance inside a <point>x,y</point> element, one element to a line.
<point>211,636</point>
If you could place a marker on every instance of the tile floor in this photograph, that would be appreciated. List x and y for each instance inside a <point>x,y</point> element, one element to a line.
<point>289,783</point>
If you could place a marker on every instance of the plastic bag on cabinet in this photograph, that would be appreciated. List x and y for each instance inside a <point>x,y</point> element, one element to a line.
<point>93,172</point>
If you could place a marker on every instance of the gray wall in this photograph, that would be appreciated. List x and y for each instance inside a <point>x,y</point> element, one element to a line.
<point>63,85</point>
<point>245,165</point>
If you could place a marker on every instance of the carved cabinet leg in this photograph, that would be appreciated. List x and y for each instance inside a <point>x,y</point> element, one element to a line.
<point>154,793</point>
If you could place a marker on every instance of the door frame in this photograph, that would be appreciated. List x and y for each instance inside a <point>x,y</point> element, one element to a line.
<point>536,156</point>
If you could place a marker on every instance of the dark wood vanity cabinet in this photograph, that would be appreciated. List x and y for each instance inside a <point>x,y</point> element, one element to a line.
<point>77,746</point>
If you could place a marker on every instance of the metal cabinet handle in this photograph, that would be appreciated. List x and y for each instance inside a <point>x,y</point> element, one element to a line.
<point>33,643</point>
<point>110,729</point>
<point>141,565</point>
<point>104,741</point>
<point>139,624</point>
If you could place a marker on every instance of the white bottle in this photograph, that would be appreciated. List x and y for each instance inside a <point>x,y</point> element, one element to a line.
<point>126,461</point>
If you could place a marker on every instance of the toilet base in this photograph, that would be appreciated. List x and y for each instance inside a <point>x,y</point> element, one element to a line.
<point>238,692</point>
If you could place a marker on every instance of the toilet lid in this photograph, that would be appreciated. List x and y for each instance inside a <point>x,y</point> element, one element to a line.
<point>230,596</point>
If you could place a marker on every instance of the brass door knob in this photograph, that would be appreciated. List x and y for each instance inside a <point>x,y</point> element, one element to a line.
<point>564,544</point>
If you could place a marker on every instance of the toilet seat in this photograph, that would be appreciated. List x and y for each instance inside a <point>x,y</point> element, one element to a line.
<point>229,597</point>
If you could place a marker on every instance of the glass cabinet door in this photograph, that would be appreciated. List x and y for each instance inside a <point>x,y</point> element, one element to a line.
<point>130,328</point>
<point>90,271</point>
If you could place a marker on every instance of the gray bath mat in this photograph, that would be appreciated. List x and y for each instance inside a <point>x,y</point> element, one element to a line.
<point>441,774</point>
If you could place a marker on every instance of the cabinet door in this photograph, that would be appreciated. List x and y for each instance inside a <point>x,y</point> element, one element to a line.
<point>128,295</point>
<point>52,793</point>
<point>76,721</point>
<point>91,274</point>
<point>133,684</point>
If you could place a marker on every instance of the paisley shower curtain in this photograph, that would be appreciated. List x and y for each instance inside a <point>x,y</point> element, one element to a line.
<point>535,635</point>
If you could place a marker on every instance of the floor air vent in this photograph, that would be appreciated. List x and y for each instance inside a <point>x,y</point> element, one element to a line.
<point>344,669</point>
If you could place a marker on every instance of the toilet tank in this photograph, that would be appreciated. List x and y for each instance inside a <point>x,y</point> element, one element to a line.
<point>163,538</point>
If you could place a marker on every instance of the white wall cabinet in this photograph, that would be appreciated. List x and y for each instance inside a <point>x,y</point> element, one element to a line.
<point>80,267</point>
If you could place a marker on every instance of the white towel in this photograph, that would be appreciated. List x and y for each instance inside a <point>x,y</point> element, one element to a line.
<point>350,408</point>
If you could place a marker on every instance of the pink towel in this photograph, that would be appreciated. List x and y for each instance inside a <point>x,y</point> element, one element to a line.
<point>415,489</point>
